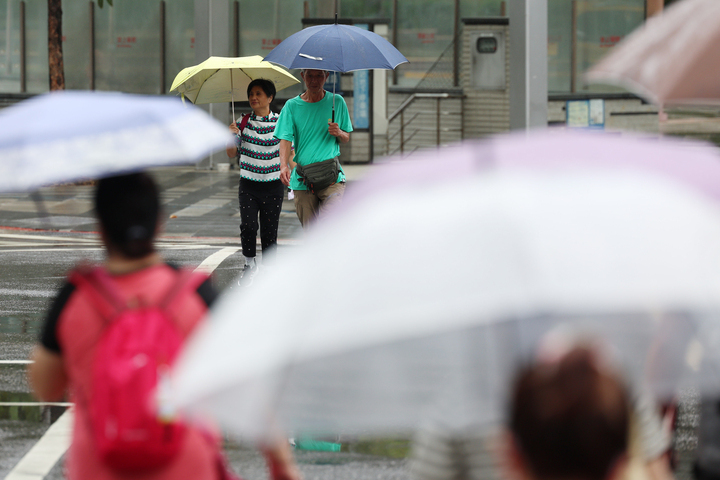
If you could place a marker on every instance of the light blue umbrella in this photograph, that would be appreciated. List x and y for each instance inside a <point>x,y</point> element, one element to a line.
<point>336,48</point>
<point>71,135</point>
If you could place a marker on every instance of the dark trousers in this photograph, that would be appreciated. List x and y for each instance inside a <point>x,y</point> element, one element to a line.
<point>263,199</point>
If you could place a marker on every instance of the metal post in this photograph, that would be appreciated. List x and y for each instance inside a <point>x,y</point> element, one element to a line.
<point>23,50</point>
<point>437,120</point>
<point>371,113</point>
<point>91,34</point>
<point>573,47</point>
<point>456,45</point>
<point>395,36</point>
<point>462,119</point>
<point>163,50</point>
<point>306,9</point>
<point>402,132</point>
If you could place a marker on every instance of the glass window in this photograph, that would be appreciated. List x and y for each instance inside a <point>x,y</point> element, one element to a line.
<point>263,25</point>
<point>598,25</point>
<point>179,38</point>
<point>127,47</point>
<point>425,36</point>
<point>36,46</point>
<point>77,44</point>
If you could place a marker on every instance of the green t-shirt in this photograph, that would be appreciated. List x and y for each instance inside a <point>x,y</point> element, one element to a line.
<point>306,124</point>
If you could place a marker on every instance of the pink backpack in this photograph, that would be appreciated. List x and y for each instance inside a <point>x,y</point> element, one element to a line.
<point>136,349</point>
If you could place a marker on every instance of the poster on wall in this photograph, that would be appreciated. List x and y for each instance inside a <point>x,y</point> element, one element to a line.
<point>585,113</point>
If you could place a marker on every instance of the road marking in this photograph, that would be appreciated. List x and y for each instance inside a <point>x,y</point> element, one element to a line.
<point>202,207</point>
<point>49,239</point>
<point>43,456</point>
<point>212,262</point>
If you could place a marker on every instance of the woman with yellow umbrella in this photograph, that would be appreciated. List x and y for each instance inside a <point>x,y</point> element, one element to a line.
<point>220,79</point>
<point>261,191</point>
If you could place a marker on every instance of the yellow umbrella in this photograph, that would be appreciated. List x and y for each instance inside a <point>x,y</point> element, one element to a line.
<point>225,79</point>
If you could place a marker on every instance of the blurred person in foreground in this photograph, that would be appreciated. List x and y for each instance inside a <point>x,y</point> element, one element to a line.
<point>317,180</point>
<point>557,394</point>
<point>128,210</point>
<point>569,419</point>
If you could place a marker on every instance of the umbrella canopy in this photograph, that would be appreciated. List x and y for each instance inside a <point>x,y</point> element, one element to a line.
<point>421,295</point>
<point>337,48</point>
<point>672,59</point>
<point>71,135</point>
<point>223,79</point>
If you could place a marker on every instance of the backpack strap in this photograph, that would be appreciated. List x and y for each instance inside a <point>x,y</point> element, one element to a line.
<point>187,280</point>
<point>108,300</point>
<point>244,122</point>
<point>101,289</point>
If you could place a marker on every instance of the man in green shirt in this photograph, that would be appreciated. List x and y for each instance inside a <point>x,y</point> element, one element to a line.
<point>306,120</point>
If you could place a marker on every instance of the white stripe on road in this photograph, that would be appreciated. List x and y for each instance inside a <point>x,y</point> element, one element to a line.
<point>43,456</point>
<point>201,208</point>
<point>50,239</point>
<point>212,262</point>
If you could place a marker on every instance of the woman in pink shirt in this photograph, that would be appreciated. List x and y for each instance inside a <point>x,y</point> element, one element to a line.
<point>128,210</point>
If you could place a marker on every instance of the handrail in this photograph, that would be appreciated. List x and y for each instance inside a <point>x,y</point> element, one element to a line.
<point>406,103</point>
<point>415,96</point>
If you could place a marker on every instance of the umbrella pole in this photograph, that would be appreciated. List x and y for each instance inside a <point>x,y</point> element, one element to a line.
<point>334,76</point>
<point>232,97</point>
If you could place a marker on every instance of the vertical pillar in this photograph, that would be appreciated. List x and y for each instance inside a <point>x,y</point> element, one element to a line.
<point>91,38</point>
<point>23,50</point>
<point>212,37</point>
<point>163,49</point>
<point>528,63</point>
<point>456,45</point>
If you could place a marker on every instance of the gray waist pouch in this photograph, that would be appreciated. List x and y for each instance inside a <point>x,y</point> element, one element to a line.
<point>320,175</point>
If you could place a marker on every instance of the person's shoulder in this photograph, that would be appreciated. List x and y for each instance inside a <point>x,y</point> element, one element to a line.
<point>292,102</point>
<point>339,98</point>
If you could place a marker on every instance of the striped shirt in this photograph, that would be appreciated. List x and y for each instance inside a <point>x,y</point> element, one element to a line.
<point>259,151</point>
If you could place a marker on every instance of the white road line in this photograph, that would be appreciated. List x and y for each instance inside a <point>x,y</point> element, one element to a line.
<point>160,246</point>
<point>211,263</point>
<point>43,456</point>
<point>28,293</point>
<point>201,208</point>
<point>50,239</point>
<point>15,362</point>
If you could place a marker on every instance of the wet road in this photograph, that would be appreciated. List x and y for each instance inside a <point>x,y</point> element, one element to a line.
<point>37,250</point>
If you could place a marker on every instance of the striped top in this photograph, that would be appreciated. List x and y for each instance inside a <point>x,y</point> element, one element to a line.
<point>259,151</point>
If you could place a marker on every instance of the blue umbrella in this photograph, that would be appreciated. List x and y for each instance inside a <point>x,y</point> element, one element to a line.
<point>337,48</point>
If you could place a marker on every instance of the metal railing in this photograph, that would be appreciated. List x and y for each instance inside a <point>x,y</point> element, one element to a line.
<point>407,125</point>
